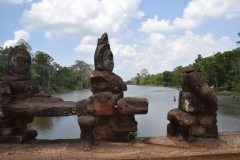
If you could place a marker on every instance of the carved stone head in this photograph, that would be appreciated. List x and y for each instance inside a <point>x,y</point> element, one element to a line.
<point>103,57</point>
<point>18,62</point>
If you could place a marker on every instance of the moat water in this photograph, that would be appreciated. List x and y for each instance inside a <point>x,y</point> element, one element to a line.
<point>152,124</point>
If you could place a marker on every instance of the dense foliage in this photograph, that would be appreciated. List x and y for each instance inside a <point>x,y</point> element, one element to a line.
<point>219,69</point>
<point>50,75</point>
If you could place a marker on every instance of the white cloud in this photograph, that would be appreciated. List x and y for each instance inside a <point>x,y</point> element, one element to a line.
<point>153,25</point>
<point>88,44</point>
<point>194,14</point>
<point>122,50</point>
<point>15,1</point>
<point>77,18</point>
<point>20,34</point>
<point>48,34</point>
<point>166,53</point>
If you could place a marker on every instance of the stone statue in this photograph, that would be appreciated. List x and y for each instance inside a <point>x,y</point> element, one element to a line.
<point>17,81</point>
<point>22,99</point>
<point>106,115</point>
<point>197,106</point>
<point>16,84</point>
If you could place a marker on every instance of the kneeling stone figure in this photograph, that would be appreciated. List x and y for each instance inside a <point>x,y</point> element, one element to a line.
<point>107,115</point>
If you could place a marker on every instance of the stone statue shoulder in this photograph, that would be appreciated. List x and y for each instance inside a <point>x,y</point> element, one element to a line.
<point>4,88</point>
<point>5,92</point>
<point>106,81</point>
<point>18,87</point>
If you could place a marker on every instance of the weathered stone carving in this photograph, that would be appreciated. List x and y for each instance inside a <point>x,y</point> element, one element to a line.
<point>110,116</point>
<point>22,99</point>
<point>197,106</point>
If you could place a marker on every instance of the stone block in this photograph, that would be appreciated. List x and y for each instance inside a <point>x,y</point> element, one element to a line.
<point>100,104</point>
<point>189,102</point>
<point>171,130</point>
<point>15,122</point>
<point>81,107</point>
<point>19,137</point>
<point>204,130</point>
<point>102,132</point>
<point>39,107</point>
<point>207,118</point>
<point>4,88</point>
<point>123,123</point>
<point>103,119</point>
<point>131,105</point>
<point>5,98</point>
<point>120,137</point>
<point>12,130</point>
<point>180,132</point>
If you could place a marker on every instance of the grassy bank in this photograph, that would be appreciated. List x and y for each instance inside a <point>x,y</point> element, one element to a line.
<point>228,93</point>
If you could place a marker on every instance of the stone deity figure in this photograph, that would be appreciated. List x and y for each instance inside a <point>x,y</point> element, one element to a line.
<point>16,84</point>
<point>106,115</point>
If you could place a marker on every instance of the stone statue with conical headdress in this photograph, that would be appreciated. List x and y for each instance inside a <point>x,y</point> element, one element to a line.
<point>106,115</point>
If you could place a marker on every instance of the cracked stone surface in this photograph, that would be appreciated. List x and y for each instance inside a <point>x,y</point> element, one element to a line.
<point>227,146</point>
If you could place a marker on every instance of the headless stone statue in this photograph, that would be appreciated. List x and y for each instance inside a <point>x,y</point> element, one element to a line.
<point>196,112</point>
<point>106,115</point>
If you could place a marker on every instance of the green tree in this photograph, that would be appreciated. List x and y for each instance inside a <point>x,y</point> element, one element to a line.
<point>42,67</point>
<point>83,69</point>
<point>198,61</point>
<point>177,72</point>
<point>167,78</point>
<point>144,76</point>
<point>4,52</point>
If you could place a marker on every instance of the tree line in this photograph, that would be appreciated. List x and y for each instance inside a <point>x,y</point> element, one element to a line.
<point>50,75</point>
<point>220,69</point>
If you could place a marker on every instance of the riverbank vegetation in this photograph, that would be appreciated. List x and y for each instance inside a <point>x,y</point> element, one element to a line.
<point>221,70</point>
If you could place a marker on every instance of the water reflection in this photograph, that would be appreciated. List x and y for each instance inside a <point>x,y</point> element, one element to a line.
<point>150,125</point>
<point>229,105</point>
<point>42,123</point>
<point>228,113</point>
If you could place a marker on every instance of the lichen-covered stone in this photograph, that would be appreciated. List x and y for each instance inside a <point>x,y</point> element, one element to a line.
<point>189,102</point>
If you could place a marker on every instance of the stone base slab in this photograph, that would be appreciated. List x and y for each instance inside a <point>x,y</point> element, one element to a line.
<point>227,146</point>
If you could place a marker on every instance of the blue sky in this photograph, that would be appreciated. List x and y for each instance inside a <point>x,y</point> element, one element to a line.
<point>157,35</point>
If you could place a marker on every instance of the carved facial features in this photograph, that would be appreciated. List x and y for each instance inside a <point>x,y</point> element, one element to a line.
<point>21,64</point>
<point>107,60</point>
